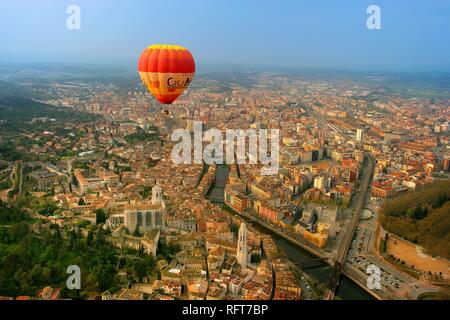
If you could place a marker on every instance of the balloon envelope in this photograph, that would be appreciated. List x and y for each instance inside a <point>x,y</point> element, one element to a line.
<point>166,70</point>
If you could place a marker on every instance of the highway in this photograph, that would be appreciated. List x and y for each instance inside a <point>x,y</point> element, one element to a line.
<point>348,235</point>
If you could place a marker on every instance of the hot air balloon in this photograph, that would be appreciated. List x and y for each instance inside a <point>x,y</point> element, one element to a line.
<point>166,70</point>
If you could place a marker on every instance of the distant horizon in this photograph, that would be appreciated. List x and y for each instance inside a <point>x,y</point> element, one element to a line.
<point>286,34</point>
<point>232,67</point>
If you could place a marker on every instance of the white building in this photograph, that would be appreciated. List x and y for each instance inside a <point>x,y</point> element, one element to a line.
<point>359,134</point>
<point>146,216</point>
<point>319,182</point>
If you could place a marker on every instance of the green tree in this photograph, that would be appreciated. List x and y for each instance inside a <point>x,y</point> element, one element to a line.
<point>136,233</point>
<point>90,238</point>
<point>145,192</point>
<point>140,269</point>
<point>19,230</point>
<point>100,216</point>
<point>235,229</point>
<point>105,275</point>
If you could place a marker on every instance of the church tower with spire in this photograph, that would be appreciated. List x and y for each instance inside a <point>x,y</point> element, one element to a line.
<point>241,253</point>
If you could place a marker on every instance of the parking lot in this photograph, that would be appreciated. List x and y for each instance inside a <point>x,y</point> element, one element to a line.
<point>360,262</point>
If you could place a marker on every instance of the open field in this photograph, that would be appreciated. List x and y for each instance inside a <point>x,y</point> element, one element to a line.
<point>413,255</point>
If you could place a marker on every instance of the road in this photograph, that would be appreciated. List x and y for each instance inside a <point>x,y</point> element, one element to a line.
<point>346,240</point>
<point>396,284</point>
<point>305,282</point>
<point>4,193</point>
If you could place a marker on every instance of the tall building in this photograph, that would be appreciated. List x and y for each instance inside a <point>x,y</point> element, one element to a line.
<point>359,134</point>
<point>319,182</point>
<point>241,253</point>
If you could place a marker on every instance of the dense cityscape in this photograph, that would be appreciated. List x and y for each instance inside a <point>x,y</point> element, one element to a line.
<point>87,179</point>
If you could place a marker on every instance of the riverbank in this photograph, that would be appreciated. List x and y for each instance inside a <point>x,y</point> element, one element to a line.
<point>347,274</point>
<point>347,290</point>
<point>265,225</point>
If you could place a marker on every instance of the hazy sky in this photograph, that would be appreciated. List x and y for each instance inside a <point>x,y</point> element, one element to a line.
<point>414,36</point>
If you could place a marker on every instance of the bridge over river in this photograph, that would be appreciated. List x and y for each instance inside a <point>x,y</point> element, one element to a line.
<point>313,263</point>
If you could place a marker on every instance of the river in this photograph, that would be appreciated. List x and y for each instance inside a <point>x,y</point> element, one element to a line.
<point>347,290</point>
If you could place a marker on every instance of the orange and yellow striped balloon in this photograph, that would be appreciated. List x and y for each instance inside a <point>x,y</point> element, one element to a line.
<point>166,71</point>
